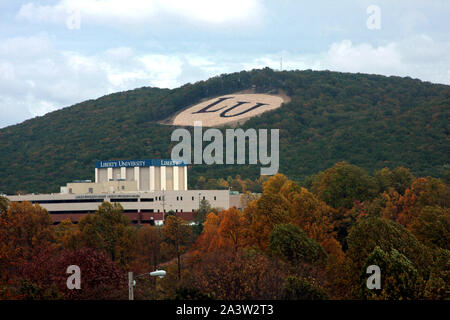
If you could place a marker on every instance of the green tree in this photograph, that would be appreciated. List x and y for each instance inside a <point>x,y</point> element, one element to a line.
<point>292,244</point>
<point>400,280</point>
<point>300,289</point>
<point>432,227</point>
<point>203,210</point>
<point>67,234</point>
<point>369,233</point>
<point>4,205</point>
<point>399,179</point>
<point>110,231</point>
<point>343,184</point>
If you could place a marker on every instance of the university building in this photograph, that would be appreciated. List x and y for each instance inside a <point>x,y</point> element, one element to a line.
<point>146,189</point>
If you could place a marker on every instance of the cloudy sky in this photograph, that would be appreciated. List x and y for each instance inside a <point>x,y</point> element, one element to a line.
<point>57,53</point>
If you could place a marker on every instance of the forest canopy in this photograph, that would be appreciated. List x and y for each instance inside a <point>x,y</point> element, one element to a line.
<point>371,121</point>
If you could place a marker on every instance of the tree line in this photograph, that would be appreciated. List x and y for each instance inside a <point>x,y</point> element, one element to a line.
<point>312,240</point>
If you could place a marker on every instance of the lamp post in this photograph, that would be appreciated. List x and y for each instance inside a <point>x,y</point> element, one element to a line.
<point>132,281</point>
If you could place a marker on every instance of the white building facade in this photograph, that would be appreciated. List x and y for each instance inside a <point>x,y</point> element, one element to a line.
<point>146,189</point>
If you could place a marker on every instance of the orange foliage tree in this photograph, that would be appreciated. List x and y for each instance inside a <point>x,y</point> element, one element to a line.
<point>285,202</point>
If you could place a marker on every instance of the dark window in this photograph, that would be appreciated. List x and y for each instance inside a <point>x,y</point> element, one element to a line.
<point>124,200</point>
<point>214,197</point>
<point>70,212</point>
<point>68,201</point>
<point>146,199</point>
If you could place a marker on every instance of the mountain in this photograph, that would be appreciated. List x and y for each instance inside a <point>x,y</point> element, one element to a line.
<point>369,120</point>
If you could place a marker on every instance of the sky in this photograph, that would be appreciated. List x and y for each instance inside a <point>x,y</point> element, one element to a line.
<point>54,54</point>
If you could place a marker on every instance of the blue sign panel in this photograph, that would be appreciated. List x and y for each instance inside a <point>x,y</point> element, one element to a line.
<point>139,163</point>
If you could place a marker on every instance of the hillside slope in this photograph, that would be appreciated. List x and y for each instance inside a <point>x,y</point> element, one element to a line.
<point>368,120</point>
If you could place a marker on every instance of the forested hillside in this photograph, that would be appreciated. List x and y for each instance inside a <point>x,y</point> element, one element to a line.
<point>368,120</point>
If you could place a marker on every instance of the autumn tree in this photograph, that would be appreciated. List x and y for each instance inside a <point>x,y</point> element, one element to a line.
<point>45,277</point>
<point>28,227</point>
<point>245,275</point>
<point>148,246</point>
<point>283,202</point>
<point>10,259</point>
<point>67,234</point>
<point>209,239</point>
<point>404,209</point>
<point>109,230</point>
<point>230,231</point>
<point>176,237</point>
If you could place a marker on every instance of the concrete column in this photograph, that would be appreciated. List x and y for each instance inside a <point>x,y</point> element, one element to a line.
<point>136,176</point>
<point>110,173</point>
<point>163,178</point>
<point>185,178</point>
<point>175,178</point>
<point>152,178</point>
<point>96,175</point>
<point>123,172</point>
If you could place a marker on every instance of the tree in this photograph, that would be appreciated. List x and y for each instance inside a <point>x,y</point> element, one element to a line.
<point>45,277</point>
<point>209,239</point>
<point>203,210</point>
<point>109,230</point>
<point>28,227</point>
<point>176,236</point>
<point>399,278</point>
<point>229,276</point>
<point>291,243</point>
<point>369,233</point>
<point>231,229</point>
<point>295,288</point>
<point>4,205</point>
<point>10,259</point>
<point>404,209</point>
<point>432,227</point>
<point>399,179</point>
<point>343,184</point>
<point>67,234</point>
<point>283,201</point>
<point>148,246</point>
